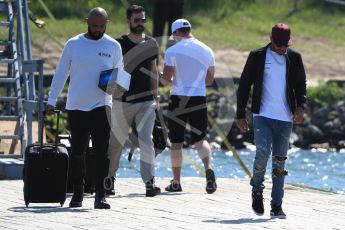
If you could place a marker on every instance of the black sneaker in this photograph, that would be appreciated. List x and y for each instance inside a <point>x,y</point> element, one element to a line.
<point>173,187</point>
<point>258,203</point>
<point>151,189</point>
<point>77,198</point>
<point>109,186</point>
<point>277,212</point>
<point>101,203</point>
<point>211,185</point>
<point>76,202</point>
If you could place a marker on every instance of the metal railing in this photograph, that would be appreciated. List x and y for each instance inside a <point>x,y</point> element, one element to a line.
<point>21,98</point>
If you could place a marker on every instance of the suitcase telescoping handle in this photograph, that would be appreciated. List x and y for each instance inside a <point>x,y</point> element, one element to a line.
<point>57,112</point>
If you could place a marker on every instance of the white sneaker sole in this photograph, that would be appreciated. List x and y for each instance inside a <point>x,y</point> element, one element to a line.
<point>278,217</point>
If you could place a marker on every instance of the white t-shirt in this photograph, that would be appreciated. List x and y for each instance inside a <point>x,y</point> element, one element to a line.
<point>273,102</point>
<point>191,59</point>
<point>83,60</point>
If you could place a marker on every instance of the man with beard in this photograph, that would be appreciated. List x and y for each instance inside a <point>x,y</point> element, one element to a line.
<point>275,75</point>
<point>138,104</point>
<point>83,58</point>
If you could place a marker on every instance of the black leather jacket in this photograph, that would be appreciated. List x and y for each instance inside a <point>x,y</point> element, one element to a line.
<point>253,73</point>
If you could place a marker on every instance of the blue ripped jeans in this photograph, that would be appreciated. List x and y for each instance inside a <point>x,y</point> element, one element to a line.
<point>271,136</point>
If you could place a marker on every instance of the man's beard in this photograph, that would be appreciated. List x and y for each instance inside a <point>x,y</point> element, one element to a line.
<point>94,35</point>
<point>137,30</point>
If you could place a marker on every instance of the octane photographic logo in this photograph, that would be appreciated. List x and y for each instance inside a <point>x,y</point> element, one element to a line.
<point>221,98</point>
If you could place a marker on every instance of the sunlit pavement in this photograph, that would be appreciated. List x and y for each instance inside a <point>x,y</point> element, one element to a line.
<point>228,208</point>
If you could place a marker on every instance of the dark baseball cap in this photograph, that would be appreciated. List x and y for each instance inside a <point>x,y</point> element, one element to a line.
<point>281,34</point>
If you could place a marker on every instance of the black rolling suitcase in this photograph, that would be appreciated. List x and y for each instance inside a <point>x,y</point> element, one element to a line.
<point>45,172</point>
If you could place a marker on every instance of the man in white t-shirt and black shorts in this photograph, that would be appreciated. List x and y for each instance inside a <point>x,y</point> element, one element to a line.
<point>189,68</point>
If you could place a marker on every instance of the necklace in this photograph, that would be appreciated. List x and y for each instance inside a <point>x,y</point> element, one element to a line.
<point>276,59</point>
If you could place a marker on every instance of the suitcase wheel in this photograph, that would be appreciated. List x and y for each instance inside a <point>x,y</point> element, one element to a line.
<point>61,203</point>
<point>27,203</point>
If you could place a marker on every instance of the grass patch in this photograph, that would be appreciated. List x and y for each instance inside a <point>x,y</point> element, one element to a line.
<point>243,25</point>
<point>325,94</point>
<point>249,26</point>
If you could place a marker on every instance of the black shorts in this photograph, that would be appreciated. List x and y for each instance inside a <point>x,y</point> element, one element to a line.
<point>183,110</point>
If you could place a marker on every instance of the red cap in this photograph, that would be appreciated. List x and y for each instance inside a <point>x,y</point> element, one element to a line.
<point>281,34</point>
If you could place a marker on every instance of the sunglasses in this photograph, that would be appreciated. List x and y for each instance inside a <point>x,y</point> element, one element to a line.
<point>281,46</point>
<point>137,20</point>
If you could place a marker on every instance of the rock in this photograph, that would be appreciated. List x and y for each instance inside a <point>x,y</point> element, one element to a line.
<point>319,117</point>
<point>307,135</point>
<point>332,129</point>
<point>332,114</point>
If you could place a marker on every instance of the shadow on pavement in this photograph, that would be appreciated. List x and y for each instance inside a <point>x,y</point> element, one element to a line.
<point>46,209</point>
<point>143,195</point>
<point>238,221</point>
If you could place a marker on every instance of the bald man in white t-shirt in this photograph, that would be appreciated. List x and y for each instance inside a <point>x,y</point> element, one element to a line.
<point>83,58</point>
<point>189,68</point>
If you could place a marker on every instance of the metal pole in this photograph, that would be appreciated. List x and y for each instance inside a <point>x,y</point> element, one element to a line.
<point>39,64</point>
<point>27,82</point>
<point>27,30</point>
<point>22,53</point>
<point>29,124</point>
<point>27,43</point>
<point>21,50</point>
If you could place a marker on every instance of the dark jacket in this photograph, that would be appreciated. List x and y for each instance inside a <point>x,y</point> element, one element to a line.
<point>253,74</point>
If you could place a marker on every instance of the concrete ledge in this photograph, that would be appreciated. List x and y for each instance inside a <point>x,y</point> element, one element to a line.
<point>11,168</point>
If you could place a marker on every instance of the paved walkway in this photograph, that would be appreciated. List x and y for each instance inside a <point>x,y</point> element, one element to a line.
<point>228,208</point>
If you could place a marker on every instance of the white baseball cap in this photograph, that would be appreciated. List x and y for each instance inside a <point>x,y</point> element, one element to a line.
<point>180,23</point>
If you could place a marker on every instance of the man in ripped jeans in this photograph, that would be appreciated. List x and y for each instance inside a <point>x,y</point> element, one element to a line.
<point>279,94</point>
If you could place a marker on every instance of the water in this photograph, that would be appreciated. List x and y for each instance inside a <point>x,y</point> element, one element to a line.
<point>318,169</point>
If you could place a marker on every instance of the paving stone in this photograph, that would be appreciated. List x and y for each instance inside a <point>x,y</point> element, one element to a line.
<point>228,208</point>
